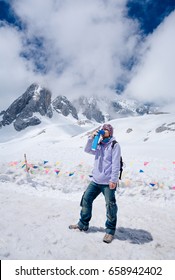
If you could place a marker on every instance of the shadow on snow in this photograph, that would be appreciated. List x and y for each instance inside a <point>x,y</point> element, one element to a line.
<point>134,236</point>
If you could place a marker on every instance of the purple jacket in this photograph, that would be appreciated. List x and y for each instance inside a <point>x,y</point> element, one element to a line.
<point>107,162</point>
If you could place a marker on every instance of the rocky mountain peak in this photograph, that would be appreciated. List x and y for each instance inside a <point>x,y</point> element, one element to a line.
<point>62,105</point>
<point>21,112</point>
<point>36,100</point>
<point>88,107</point>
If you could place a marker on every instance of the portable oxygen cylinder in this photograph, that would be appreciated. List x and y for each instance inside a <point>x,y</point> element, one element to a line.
<point>96,139</point>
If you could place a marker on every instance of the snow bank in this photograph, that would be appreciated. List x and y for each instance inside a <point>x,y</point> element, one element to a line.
<point>39,202</point>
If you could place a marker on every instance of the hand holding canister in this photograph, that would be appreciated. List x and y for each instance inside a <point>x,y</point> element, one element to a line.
<point>96,139</point>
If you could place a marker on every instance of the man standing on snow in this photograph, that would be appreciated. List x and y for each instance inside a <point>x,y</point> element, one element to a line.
<point>104,180</point>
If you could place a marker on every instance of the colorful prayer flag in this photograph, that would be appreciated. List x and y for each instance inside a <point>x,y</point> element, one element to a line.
<point>152,184</point>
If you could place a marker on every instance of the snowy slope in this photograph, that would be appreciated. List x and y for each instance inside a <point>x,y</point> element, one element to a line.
<point>38,206</point>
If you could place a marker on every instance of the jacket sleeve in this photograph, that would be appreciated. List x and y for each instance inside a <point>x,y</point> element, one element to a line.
<point>87,148</point>
<point>116,154</point>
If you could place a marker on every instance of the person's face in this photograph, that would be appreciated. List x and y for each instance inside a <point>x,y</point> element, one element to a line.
<point>107,134</point>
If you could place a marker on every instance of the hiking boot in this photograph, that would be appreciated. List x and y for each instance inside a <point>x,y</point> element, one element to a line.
<point>76,226</point>
<point>108,238</point>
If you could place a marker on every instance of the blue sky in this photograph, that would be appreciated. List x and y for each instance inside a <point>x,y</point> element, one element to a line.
<point>88,47</point>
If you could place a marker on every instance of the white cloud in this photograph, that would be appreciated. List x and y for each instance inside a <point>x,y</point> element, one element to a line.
<point>15,71</point>
<point>85,42</point>
<point>153,79</point>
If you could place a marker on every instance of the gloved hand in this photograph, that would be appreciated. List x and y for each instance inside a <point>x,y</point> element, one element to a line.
<point>94,133</point>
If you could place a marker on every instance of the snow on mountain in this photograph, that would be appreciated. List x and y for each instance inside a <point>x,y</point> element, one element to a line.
<point>36,102</point>
<point>38,206</point>
<point>103,108</point>
<point>22,111</point>
<point>63,106</point>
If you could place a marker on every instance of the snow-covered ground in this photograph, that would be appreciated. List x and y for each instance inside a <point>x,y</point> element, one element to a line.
<point>37,207</point>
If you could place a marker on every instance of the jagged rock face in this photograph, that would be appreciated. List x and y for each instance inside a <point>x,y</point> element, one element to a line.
<point>22,112</point>
<point>101,108</point>
<point>34,100</point>
<point>90,110</point>
<point>93,113</point>
<point>119,109</point>
<point>130,108</point>
<point>62,105</point>
<point>144,109</point>
<point>116,106</point>
<point>21,124</point>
